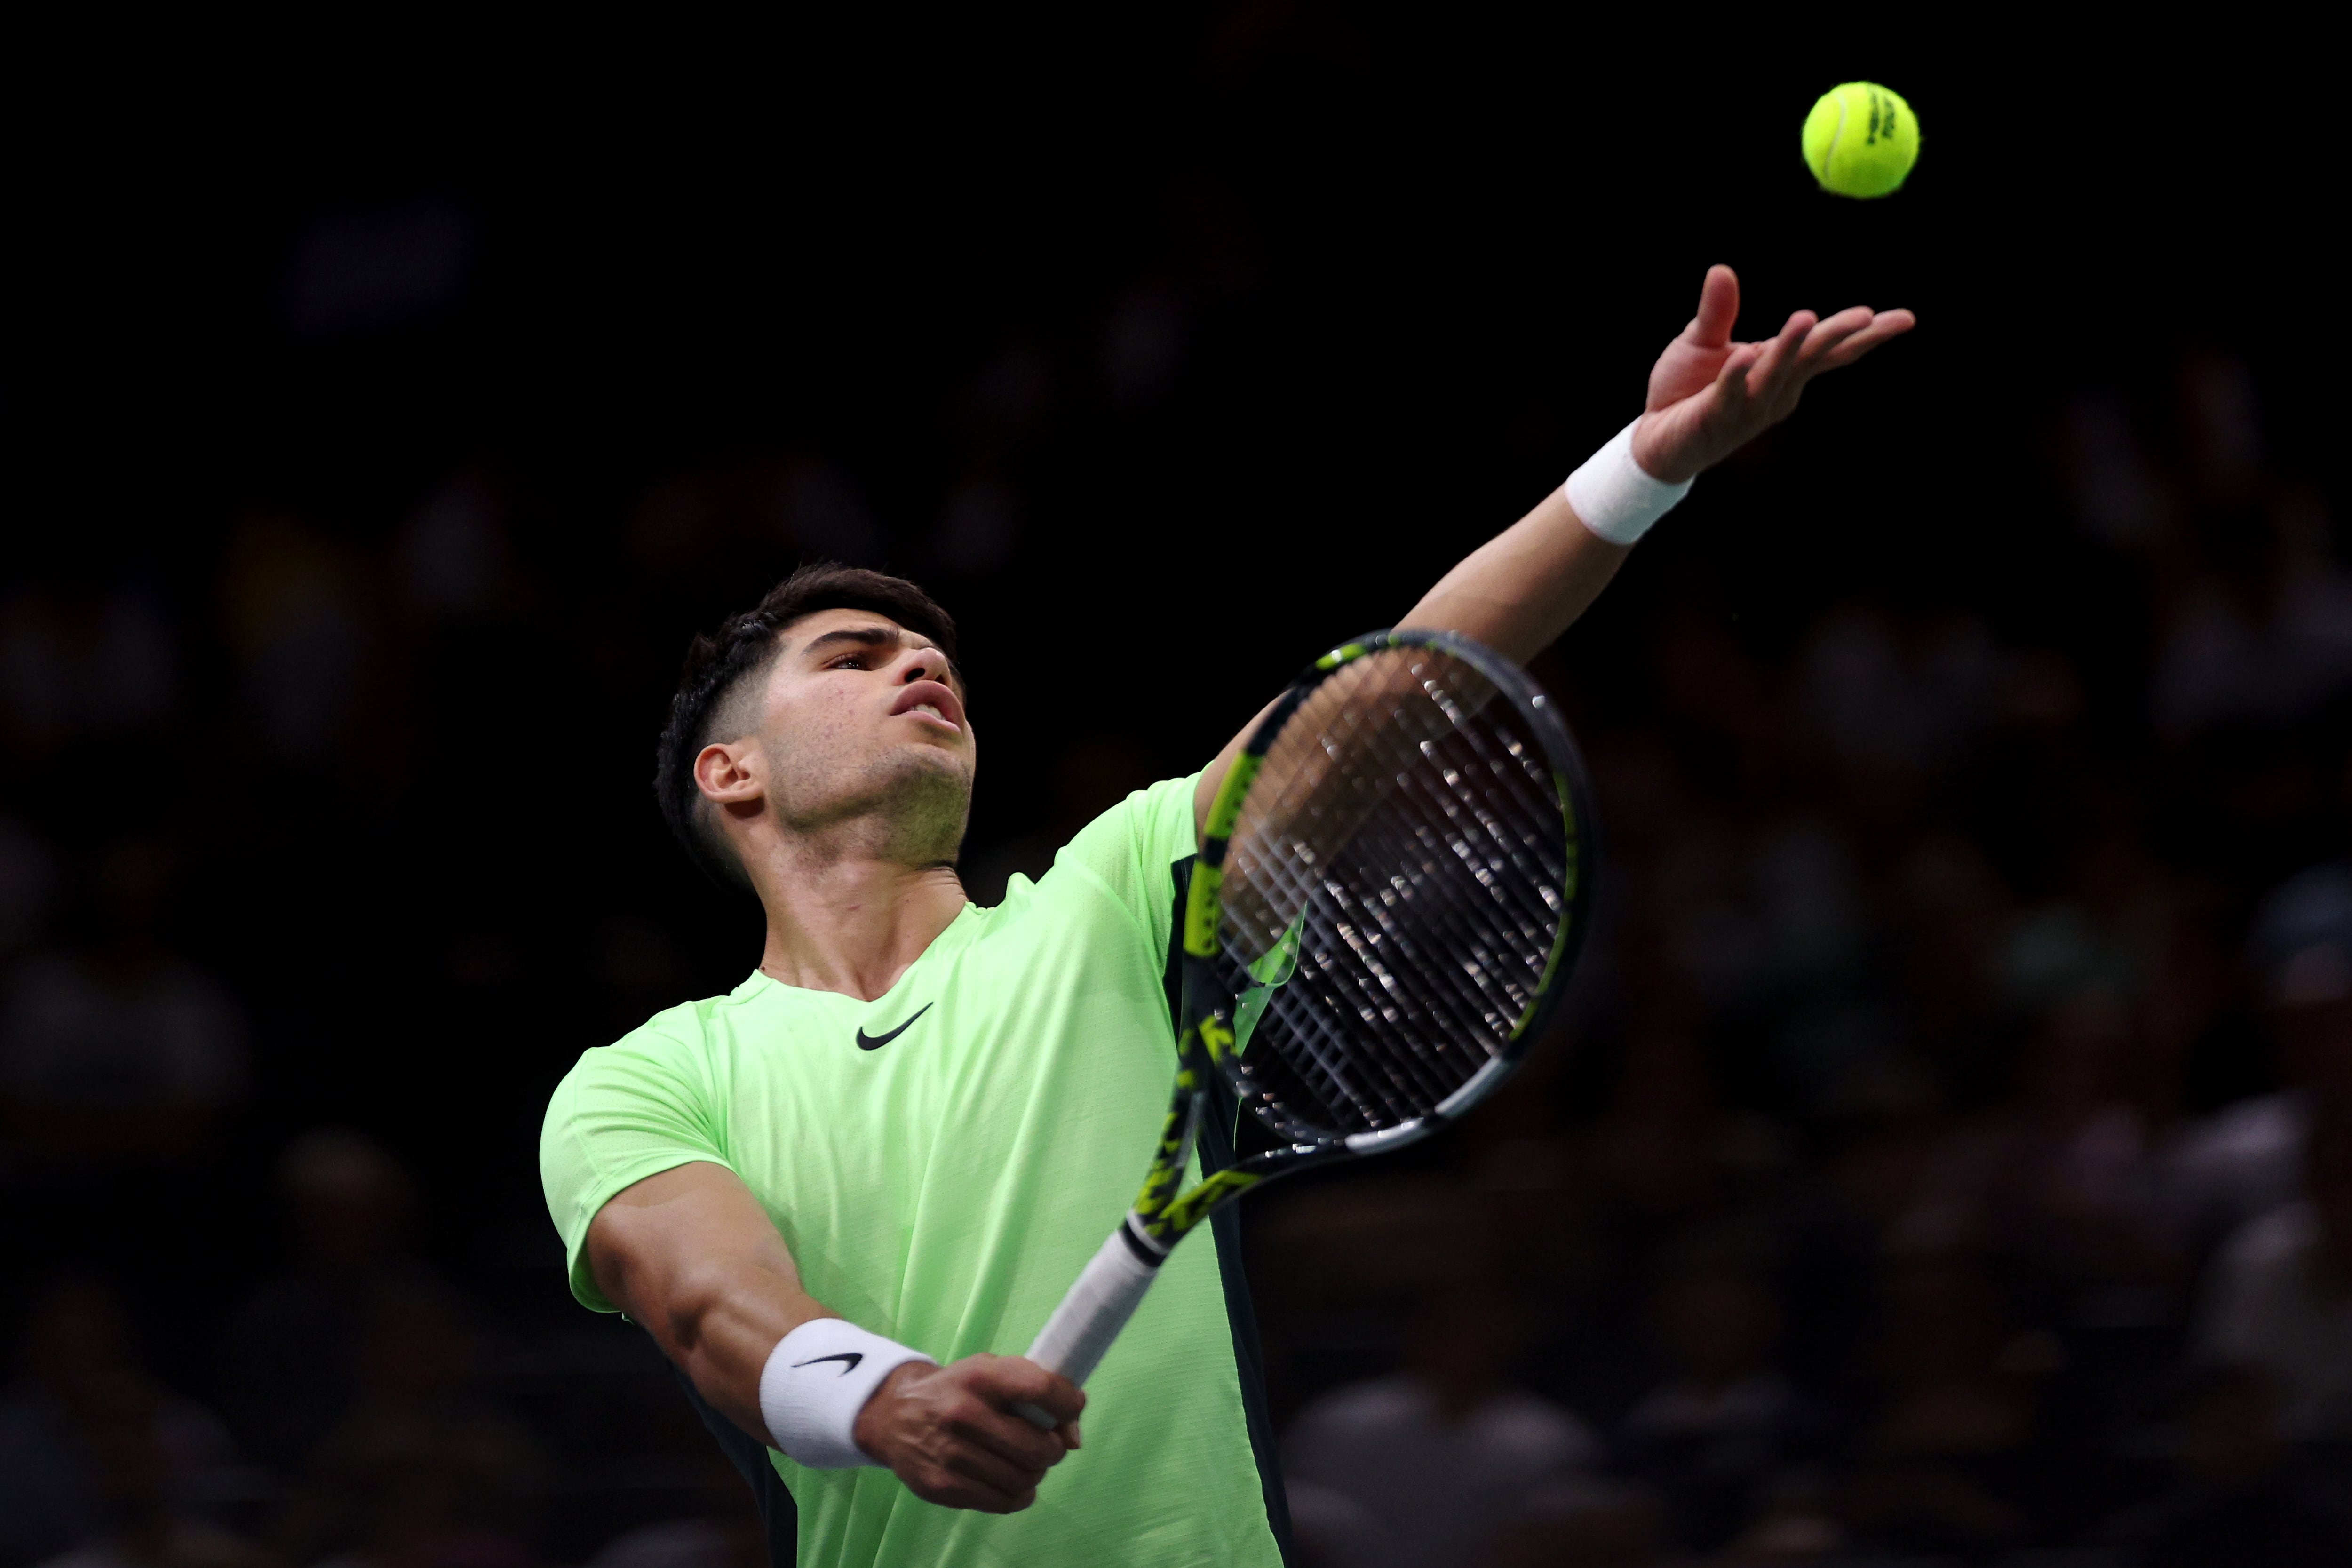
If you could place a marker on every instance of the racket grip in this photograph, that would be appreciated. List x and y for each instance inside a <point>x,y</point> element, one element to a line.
<point>1097,1308</point>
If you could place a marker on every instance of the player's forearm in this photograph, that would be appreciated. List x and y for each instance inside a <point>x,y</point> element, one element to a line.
<point>691,1255</point>
<point>718,1322</point>
<point>1515,592</point>
<point>1522,588</point>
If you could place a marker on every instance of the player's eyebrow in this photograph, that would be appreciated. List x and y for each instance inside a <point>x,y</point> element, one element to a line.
<point>862,636</point>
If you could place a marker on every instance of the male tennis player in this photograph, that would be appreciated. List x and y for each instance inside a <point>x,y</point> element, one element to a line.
<point>838,1195</point>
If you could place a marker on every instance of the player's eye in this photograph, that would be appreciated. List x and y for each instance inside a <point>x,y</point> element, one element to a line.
<point>849,661</point>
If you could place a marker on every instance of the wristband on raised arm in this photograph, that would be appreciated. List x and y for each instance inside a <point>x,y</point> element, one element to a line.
<point>1614,498</point>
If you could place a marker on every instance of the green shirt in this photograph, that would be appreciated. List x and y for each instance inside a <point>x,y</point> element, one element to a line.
<point>946,1187</point>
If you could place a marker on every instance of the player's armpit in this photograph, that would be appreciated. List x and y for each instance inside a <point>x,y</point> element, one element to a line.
<point>691,1255</point>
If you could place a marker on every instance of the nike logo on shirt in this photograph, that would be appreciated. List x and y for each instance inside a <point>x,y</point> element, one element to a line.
<point>866,1042</point>
<point>848,1358</point>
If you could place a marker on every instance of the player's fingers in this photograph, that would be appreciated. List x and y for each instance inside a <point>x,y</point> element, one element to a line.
<point>1815,356</point>
<point>991,1471</point>
<point>1013,1439</point>
<point>1889,324</point>
<point>1832,330</point>
<point>952,1489</point>
<point>1733,377</point>
<point>1718,308</point>
<point>1854,348</point>
<point>977,1417</point>
<point>1016,1380</point>
<point>1775,357</point>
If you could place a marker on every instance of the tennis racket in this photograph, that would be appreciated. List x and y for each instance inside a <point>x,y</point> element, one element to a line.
<point>1393,885</point>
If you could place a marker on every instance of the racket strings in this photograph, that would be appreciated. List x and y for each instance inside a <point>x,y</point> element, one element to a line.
<point>1418,1027</point>
<point>1414,839</point>
<point>1409,1042</point>
<point>1361,1070</point>
<point>1393,1079</point>
<point>1355,1074</point>
<point>1394,909</point>
<point>1534,849</point>
<point>1530,856</point>
<point>1478,958</point>
<point>1408,1081</point>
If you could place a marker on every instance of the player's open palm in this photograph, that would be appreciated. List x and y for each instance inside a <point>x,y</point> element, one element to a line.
<point>1710,396</point>
<point>950,1432</point>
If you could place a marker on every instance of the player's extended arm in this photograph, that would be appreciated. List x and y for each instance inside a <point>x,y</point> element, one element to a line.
<point>1709,395</point>
<point>692,1254</point>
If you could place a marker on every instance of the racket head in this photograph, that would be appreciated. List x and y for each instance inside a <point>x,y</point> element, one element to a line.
<point>1394,884</point>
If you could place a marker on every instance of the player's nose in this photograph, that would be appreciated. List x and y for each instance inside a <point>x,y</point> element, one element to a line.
<point>921,664</point>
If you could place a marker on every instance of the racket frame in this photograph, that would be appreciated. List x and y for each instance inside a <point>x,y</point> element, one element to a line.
<point>1113,1284</point>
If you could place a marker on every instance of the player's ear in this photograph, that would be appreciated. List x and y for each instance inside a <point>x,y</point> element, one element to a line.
<point>730,773</point>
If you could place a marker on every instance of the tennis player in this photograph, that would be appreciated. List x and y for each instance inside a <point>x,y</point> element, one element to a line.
<point>841,1196</point>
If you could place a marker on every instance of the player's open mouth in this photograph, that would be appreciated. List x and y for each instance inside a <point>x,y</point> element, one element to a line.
<point>932,700</point>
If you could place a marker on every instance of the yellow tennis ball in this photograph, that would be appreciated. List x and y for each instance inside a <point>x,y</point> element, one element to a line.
<point>1860,139</point>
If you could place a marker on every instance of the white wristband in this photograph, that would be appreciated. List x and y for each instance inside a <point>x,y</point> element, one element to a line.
<point>1613,496</point>
<point>818,1379</point>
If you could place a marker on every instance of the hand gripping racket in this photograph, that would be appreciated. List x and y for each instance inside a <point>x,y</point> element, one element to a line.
<point>1393,885</point>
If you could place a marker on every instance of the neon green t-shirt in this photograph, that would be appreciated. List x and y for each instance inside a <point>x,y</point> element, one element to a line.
<point>945,1187</point>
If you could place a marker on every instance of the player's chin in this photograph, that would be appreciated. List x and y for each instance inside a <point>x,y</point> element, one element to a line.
<point>920,785</point>
<point>928,758</point>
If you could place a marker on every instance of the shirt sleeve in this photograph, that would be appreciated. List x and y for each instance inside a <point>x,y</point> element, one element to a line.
<point>623,1112</point>
<point>1131,851</point>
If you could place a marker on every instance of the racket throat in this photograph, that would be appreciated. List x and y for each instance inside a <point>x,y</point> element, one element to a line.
<point>1146,1251</point>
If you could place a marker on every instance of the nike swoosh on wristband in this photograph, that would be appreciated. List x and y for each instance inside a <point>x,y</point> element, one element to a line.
<point>848,1360</point>
<point>866,1042</point>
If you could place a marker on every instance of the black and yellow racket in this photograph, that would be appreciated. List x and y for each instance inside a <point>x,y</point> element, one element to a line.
<point>1393,885</point>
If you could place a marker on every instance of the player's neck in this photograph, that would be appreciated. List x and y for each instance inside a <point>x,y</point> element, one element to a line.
<point>852,923</point>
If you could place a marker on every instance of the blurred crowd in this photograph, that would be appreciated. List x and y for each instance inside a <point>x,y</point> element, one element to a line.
<point>1945,1158</point>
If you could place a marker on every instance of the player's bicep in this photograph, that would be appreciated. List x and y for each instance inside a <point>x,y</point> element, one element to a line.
<point>1213,777</point>
<point>662,1247</point>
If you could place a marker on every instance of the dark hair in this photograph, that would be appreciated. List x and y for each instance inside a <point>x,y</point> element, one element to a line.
<point>743,646</point>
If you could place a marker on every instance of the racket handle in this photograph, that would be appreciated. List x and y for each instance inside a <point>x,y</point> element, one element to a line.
<point>1098,1305</point>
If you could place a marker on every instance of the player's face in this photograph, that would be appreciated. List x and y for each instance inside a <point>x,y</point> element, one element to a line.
<point>861,715</point>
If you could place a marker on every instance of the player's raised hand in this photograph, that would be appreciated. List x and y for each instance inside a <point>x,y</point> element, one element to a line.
<point>950,1433</point>
<point>1710,396</point>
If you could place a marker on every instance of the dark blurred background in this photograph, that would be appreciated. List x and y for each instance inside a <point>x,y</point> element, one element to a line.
<point>1944,1158</point>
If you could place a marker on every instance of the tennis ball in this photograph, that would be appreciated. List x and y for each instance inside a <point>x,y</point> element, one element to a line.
<point>1860,139</point>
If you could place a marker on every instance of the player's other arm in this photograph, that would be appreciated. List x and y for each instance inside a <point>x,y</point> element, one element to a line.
<point>690,1254</point>
<point>1709,396</point>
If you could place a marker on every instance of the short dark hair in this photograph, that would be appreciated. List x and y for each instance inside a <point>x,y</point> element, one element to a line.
<point>745,645</point>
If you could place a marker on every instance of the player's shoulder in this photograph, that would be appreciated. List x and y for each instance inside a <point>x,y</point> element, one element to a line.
<point>687,1031</point>
<point>1149,827</point>
<point>706,1017</point>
